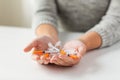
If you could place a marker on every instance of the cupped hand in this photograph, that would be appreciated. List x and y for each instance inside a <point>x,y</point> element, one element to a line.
<point>64,60</point>
<point>40,43</point>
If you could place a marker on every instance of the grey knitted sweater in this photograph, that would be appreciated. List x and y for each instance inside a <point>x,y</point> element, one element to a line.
<point>101,16</point>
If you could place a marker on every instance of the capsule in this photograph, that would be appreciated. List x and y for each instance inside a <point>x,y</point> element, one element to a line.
<point>46,55</point>
<point>62,52</point>
<point>73,56</point>
<point>38,52</point>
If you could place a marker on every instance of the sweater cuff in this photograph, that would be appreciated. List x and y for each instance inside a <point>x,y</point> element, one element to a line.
<point>44,19</point>
<point>105,35</point>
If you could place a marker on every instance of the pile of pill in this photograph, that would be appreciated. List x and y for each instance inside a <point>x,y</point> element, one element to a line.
<point>56,49</point>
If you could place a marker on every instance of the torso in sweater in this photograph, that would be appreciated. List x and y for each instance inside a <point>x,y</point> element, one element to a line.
<point>81,15</point>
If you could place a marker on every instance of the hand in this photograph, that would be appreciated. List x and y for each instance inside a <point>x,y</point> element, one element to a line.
<point>64,60</point>
<point>40,43</point>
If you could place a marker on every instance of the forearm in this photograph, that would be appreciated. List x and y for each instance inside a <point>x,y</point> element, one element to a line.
<point>47,30</point>
<point>108,28</point>
<point>92,40</point>
<point>45,18</point>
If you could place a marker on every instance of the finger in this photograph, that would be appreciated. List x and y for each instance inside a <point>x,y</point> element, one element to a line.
<point>30,46</point>
<point>56,60</point>
<point>35,57</point>
<point>53,58</point>
<point>41,60</point>
<point>66,59</point>
<point>81,52</point>
<point>45,59</point>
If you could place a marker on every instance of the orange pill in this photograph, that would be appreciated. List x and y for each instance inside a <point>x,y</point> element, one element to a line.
<point>73,56</point>
<point>62,52</point>
<point>46,55</point>
<point>40,52</point>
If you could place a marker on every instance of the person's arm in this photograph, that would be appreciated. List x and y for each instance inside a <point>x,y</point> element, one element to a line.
<point>92,40</point>
<point>47,30</point>
<point>45,18</point>
<point>107,32</point>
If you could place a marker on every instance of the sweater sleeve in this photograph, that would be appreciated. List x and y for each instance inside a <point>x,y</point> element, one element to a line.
<point>45,13</point>
<point>109,27</point>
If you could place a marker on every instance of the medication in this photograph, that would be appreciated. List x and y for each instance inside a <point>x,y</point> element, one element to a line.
<point>38,52</point>
<point>74,56</point>
<point>56,49</point>
<point>62,52</point>
<point>46,55</point>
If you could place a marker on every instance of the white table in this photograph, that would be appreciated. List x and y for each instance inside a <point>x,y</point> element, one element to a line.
<point>102,64</point>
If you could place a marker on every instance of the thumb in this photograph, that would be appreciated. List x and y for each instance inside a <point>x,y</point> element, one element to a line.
<point>81,51</point>
<point>30,46</point>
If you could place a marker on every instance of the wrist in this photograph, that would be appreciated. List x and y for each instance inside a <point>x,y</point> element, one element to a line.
<point>85,43</point>
<point>47,30</point>
<point>82,46</point>
<point>92,40</point>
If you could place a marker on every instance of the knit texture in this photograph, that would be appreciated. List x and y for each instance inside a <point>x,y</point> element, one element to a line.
<point>101,16</point>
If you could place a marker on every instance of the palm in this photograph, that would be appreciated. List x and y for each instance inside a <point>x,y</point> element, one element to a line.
<point>64,60</point>
<point>75,44</point>
<point>40,43</point>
